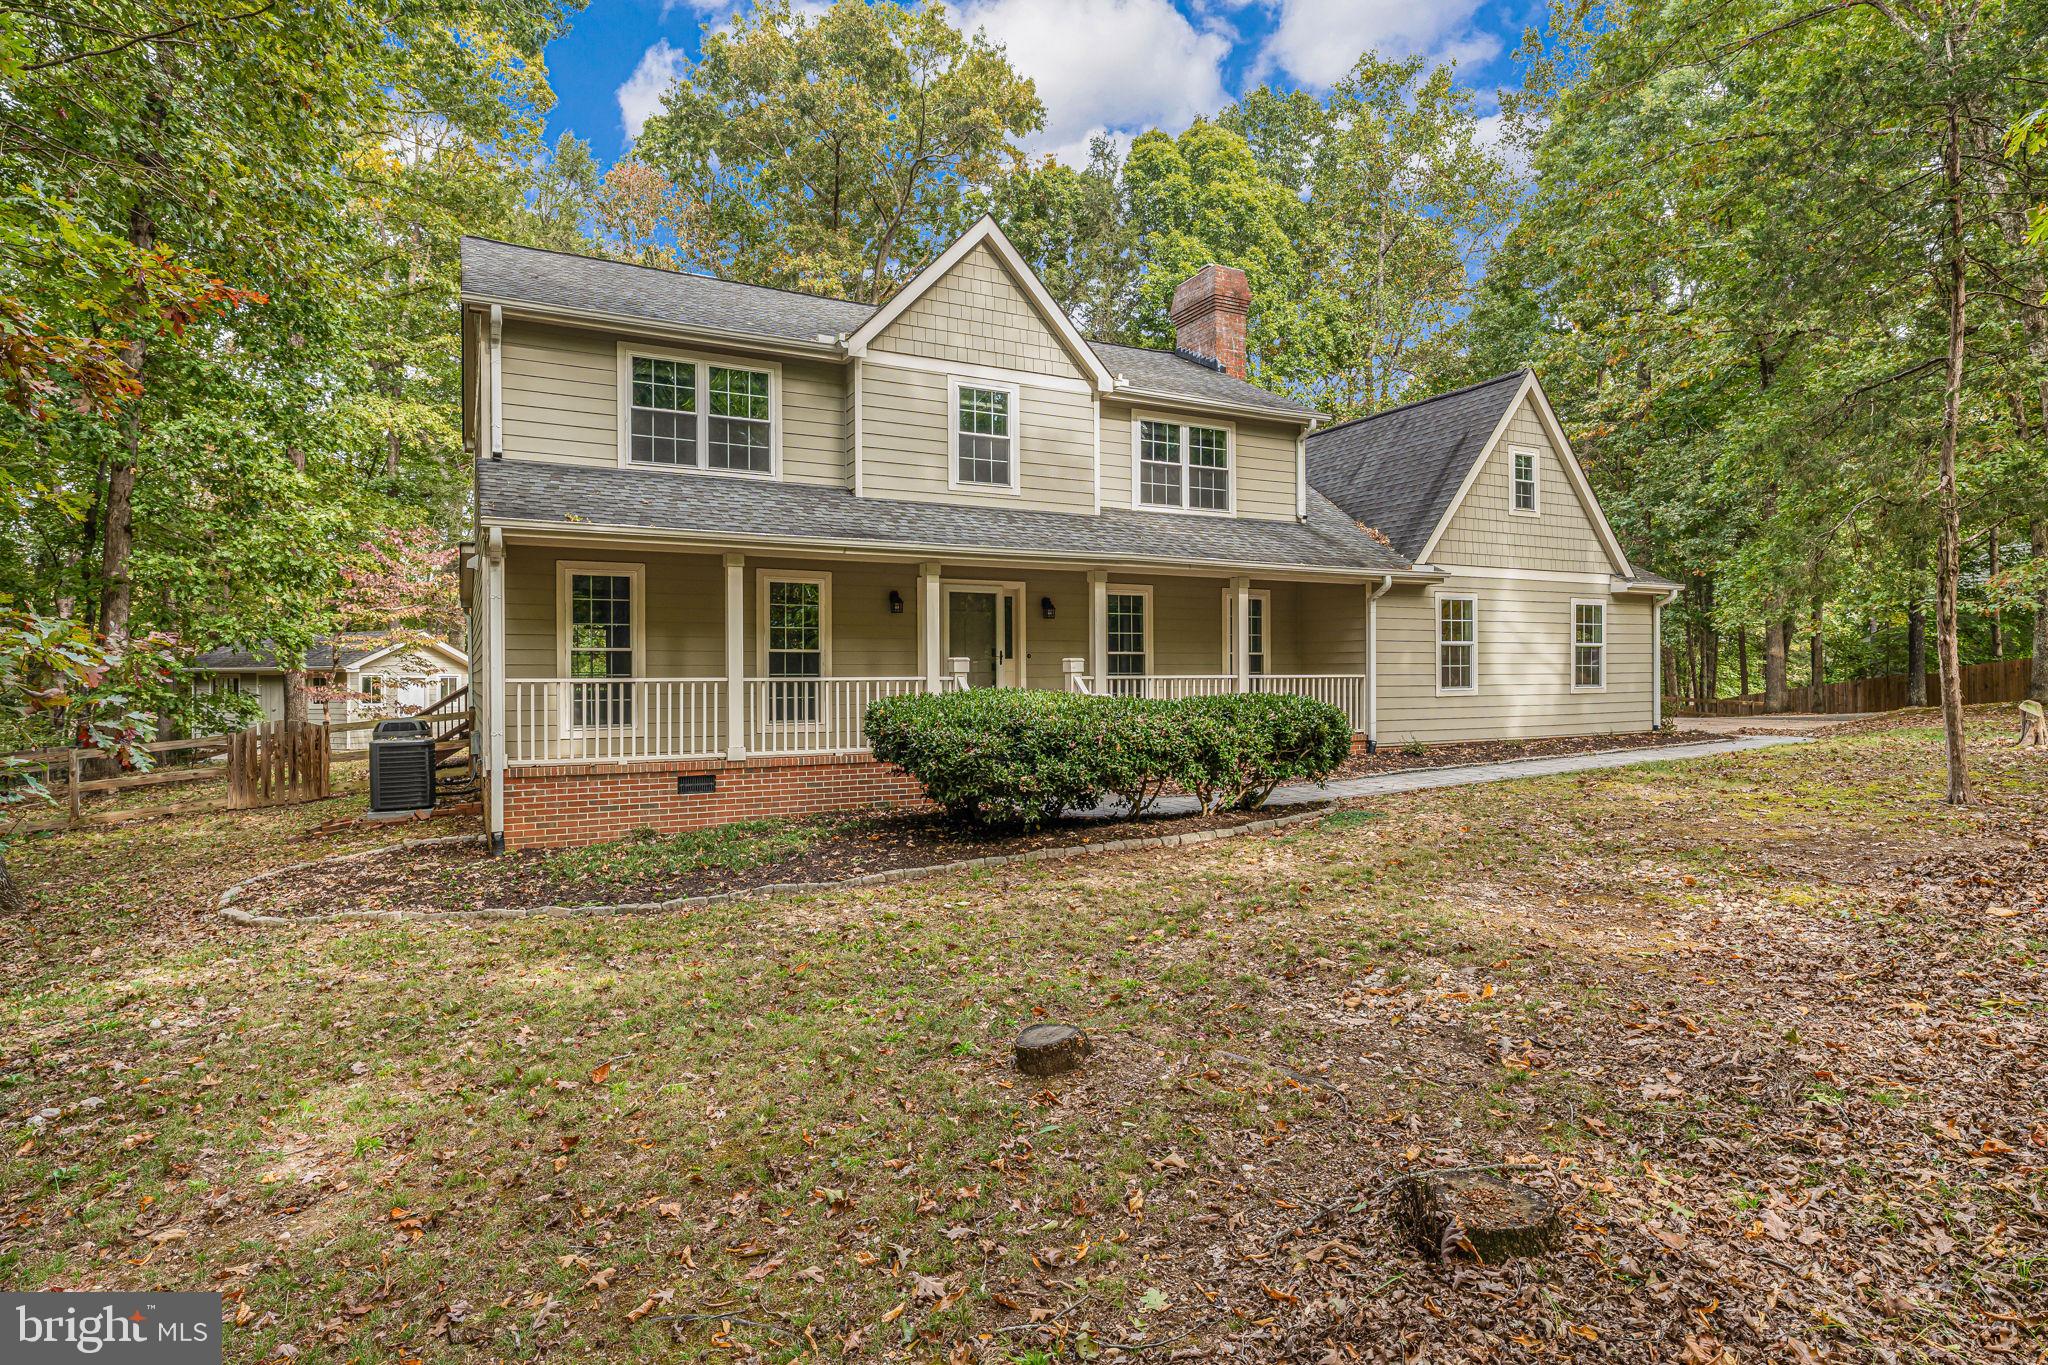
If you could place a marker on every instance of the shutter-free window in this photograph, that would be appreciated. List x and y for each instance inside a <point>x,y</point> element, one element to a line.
<point>1457,644</point>
<point>795,626</point>
<point>1183,465</point>
<point>1525,480</point>
<point>601,647</point>
<point>1126,642</point>
<point>983,452</point>
<point>1589,644</point>
<point>664,411</point>
<point>740,437</point>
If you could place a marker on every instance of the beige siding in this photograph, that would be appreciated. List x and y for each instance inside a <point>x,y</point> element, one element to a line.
<point>906,433</point>
<point>1264,452</point>
<point>562,403</point>
<point>684,612</point>
<point>978,315</point>
<point>1524,664</point>
<point>1321,627</point>
<point>1485,534</point>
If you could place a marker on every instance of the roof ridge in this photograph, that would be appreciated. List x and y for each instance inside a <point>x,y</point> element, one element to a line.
<point>1421,402</point>
<point>665,270</point>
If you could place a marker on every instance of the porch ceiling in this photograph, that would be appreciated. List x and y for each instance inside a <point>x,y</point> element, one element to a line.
<point>738,511</point>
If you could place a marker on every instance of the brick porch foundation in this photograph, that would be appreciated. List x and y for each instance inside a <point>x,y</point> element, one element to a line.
<point>566,805</point>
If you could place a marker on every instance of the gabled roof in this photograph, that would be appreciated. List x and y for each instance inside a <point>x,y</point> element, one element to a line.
<point>602,291</point>
<point>326,654</point>
<point>595,499</point>
<point>1401,470</point>
<point>986,233</point>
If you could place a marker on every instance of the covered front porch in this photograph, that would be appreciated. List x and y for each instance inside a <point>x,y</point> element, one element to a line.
<point>635,653</point>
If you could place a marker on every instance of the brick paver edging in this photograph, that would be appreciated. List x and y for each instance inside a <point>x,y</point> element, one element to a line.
<point>234,914</point>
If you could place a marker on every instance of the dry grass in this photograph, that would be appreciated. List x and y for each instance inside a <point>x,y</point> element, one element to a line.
<point>1772,1024</point>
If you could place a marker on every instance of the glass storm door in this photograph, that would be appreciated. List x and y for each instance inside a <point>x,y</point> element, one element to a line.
<point>981,626</point>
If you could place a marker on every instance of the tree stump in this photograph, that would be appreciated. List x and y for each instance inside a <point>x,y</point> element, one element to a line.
<point>1488,1218</point>
<point>1049,1049</point>
<point>2033,726</point>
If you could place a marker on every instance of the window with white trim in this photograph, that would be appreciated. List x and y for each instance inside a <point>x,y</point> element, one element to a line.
<point>794,620</point>
<point>1525,490</point>
<point>1589,645</point>
<point>984,435</point>
<point>1182,465</point>
<point>1457,644</point>
<point>598,643</point>
<point>688,413</point>
<point>1128,635</point>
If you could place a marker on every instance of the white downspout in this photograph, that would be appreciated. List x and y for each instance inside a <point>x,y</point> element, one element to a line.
<point>1372,660</point>
<point>1657,657</point>
<point>497,451</point>
<point>494,692</point>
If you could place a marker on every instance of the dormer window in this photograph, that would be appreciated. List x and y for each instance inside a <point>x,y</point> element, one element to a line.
<point>1182,466</point>
<point>682,411</point>
<point>984,435</point>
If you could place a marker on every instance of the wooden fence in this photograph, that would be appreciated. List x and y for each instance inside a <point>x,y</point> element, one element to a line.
<point>275,764</point>
<point>2002,681</point>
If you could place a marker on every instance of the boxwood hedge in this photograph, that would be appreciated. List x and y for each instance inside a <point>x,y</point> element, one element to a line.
<point>1012,757</point>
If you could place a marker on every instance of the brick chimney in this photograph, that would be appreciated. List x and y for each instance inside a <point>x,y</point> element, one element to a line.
<point>1208,314</point>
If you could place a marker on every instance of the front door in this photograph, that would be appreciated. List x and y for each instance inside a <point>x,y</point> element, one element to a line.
<point>981,627</point>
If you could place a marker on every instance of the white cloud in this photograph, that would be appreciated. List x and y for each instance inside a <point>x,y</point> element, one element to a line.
<point>1318,41</point>
<point>1122,65</point>
<point>640,96</point>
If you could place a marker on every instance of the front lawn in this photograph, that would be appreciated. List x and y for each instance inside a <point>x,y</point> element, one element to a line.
<point>1771,1025</point>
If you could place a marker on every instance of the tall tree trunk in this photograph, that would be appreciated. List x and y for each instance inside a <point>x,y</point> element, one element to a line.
<point>1742,657</point>
<point>1819,651</point>
<point>1948,567</point>
<point>2038,689</point>
<point>295,696</point>
<point>1916,654</point>
<point>1776,695</point>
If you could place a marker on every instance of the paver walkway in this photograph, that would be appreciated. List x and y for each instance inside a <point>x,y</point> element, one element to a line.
<point>1426,779</point>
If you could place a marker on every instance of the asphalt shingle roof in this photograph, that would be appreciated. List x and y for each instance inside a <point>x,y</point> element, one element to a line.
<point>532,491</point>
<point>325,654</point>
<point>552,279</point>
<point>1398,470</point>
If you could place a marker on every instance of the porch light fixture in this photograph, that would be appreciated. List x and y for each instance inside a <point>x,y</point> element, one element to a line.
<point>1045,607</point>
<point>895,602</point>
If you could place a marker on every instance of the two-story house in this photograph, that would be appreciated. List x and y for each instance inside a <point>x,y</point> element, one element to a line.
<point>716,520</point>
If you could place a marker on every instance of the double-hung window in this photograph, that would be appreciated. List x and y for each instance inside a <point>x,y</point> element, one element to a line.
<point>1525,493</point>
<point>984,435</point>
<point>686,412</point>
<point>1182,465</point>
<point>1130,638</point>
<point>600,623</point>
<point>1589,646</point>
<point>1457,644</point>
<point>796,624</point>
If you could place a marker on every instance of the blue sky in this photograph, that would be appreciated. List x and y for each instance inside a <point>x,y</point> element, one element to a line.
<point>1116,65</point>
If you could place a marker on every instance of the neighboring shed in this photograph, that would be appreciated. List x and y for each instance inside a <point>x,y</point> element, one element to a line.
<point>400,673</point>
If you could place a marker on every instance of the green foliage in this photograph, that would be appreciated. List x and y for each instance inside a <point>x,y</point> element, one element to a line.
<point>60,686</point>
<point>835,153</point>
<point>1001,757</point>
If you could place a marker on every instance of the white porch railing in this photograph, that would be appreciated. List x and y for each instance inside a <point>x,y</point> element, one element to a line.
<point>567,720</point>
<point>815,715</point>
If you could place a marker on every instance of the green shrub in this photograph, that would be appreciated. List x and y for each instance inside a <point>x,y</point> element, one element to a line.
<point>1006,757</point>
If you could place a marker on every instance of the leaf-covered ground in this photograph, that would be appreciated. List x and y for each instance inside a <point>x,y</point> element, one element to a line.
<point>1770,1026</point>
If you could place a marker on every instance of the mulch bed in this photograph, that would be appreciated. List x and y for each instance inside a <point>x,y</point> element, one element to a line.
<point>455,877</point>
<point>1392,759</point>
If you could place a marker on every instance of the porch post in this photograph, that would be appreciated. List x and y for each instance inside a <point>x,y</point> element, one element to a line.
<point>493,699</point>
<point>1098,629</point>
<point>735,657</point>
<point>1241,624</point>
<point>929,662</point>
